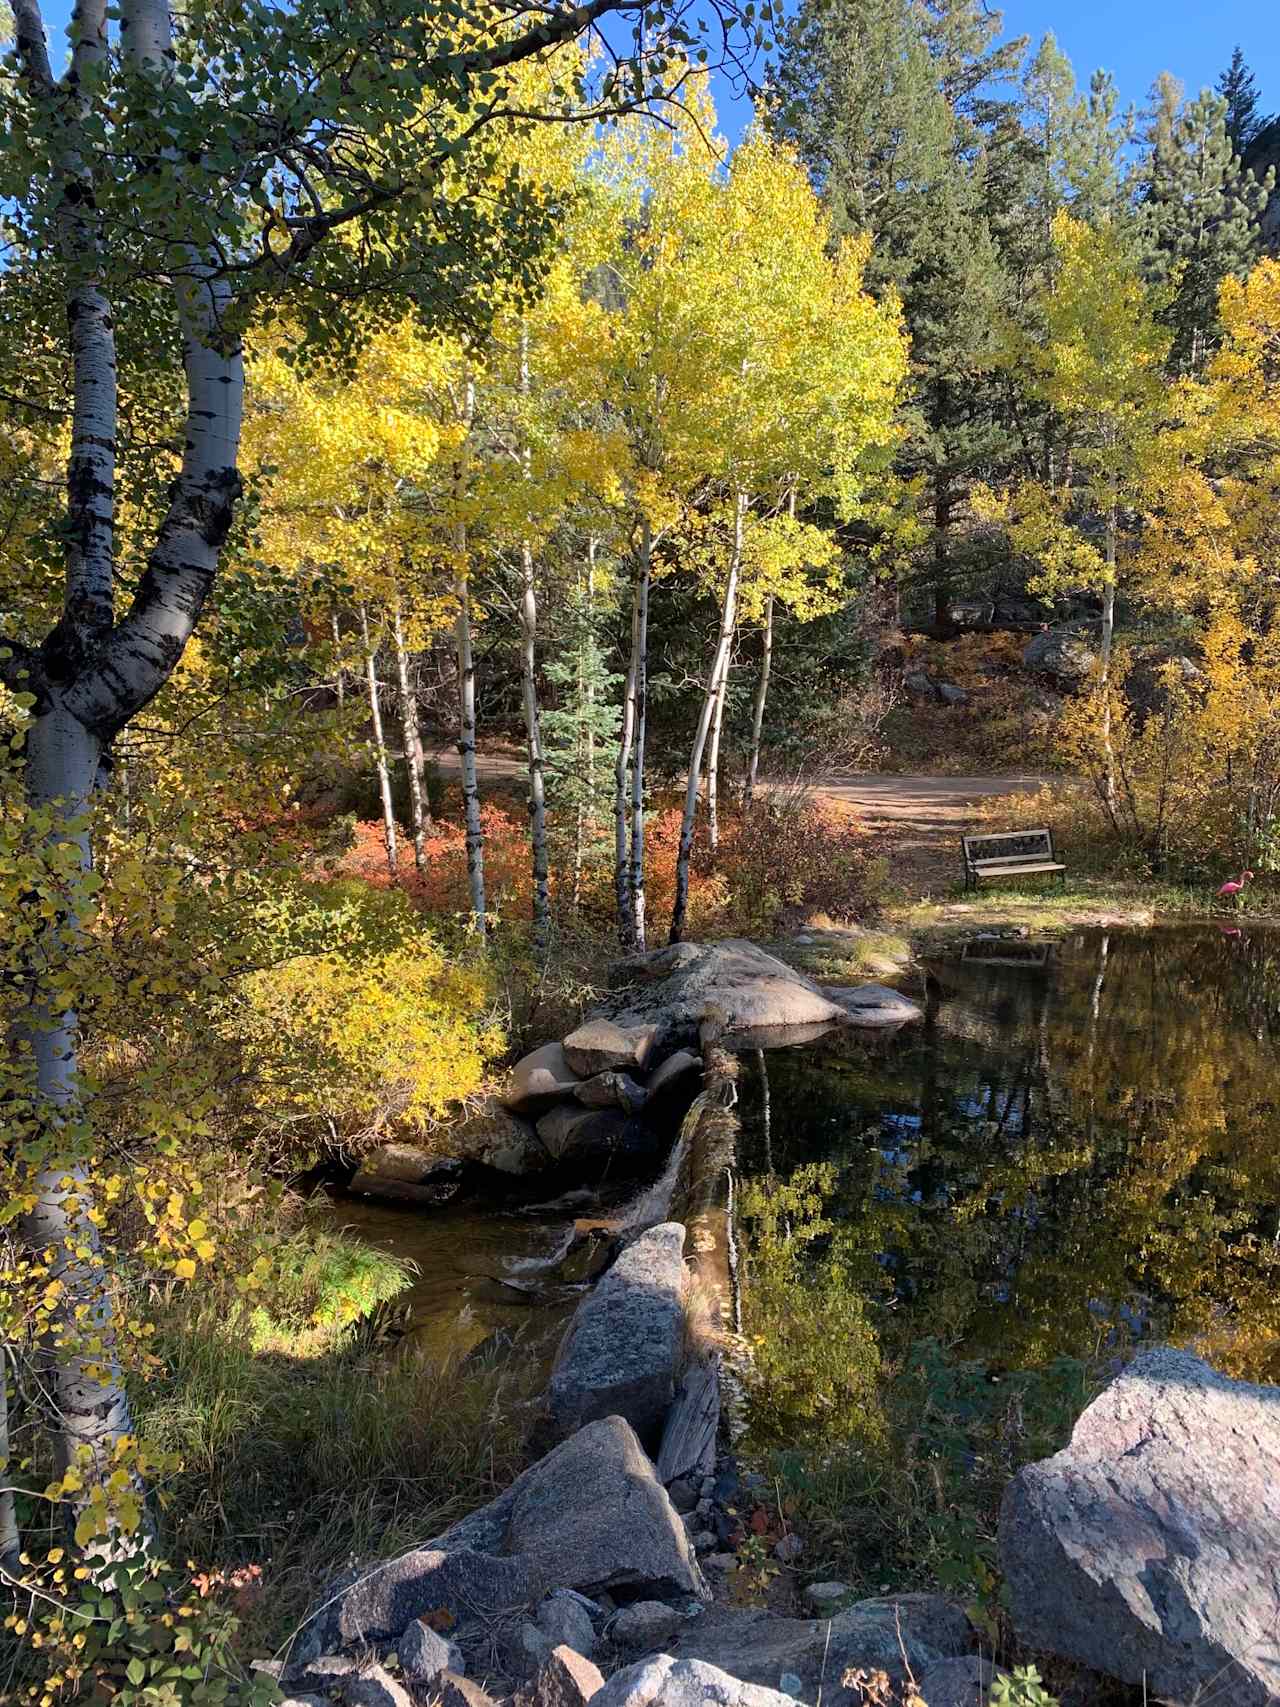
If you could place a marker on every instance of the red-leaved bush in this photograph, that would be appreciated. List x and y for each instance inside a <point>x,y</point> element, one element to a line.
<point>782,861</point>
<point>774,866</point>
<point>440,886</point>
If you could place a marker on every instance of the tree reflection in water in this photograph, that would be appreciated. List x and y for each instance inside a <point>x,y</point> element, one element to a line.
<point>1071,1151</point>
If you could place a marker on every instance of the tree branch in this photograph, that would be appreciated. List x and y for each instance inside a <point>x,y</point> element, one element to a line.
<point>572,21</point>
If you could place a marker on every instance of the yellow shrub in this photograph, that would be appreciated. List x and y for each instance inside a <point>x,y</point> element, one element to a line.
<point>342,1049</point>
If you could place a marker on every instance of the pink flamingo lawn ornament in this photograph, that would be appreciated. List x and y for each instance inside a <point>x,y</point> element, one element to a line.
<point>1235,887</point>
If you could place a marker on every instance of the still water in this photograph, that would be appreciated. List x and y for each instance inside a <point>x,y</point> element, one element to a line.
<point>1078,1146</point>
<point>481,1276</point>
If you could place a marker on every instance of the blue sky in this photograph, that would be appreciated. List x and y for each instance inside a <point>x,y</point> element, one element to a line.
<point>1133,39</point>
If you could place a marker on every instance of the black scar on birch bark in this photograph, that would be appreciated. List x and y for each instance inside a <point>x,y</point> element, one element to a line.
<point>205,508</point>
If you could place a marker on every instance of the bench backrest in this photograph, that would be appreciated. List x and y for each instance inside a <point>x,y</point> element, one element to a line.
<point>1009,844</point>
<point>1008,953</point>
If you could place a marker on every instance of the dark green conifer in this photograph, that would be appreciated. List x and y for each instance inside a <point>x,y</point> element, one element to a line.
<point>1239,89</point>
<point>1200,212</point>
<point>896,108</point>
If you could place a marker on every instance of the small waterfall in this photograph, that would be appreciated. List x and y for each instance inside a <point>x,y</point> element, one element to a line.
<point>543,1264</point>
<point>653,1205</point>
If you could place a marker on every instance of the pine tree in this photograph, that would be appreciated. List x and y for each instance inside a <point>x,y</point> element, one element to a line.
<point>896,111</point>
<point>857,95</point>
<point>581,729</point>
<point>1200,213</point>
<point>1077,141</point>
<point>1239,89</point>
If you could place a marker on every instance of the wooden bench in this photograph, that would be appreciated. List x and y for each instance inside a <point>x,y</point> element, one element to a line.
<point>1010,853</point>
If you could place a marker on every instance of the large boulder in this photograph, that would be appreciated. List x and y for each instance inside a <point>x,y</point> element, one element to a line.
<point>672,1070</point>
<point>612,1090</point>
<point>1147,1548</point>
<point>600,1046</point>
<point>624,1346</point>
<point>572,1133</point>
<point>564,1618</point>
<point>377,1603</point>
<point>490,1137</point>
<point>667,1682</point>
<point>733,984</point>
<point>901,1635</point>
<point>538,1079</point>
<point>592,1516</point>
<point>966,1682</point>
<point>1151,674</point>
<point>1014,609</point>
<point>645,1626</point>
<point>1065,655</point>
<point>496,1138</point>
<point>405,1173</point>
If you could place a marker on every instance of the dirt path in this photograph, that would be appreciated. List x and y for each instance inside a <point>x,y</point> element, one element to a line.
<point>917,821</point>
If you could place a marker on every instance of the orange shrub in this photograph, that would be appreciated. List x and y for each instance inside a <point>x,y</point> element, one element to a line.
<point>440,887</point>
<point>785,860</point>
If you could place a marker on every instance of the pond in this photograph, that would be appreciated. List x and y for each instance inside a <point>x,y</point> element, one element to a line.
<point>1077,1147</point>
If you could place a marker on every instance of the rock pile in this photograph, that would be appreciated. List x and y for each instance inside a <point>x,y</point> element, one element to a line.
<point>588,1564</point>
<point>580,1103</point>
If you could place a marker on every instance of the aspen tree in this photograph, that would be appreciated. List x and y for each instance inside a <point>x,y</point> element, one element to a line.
<point>1099,363</point>
<point>320,160</point>
<point>379,742</point>
<point>414,760</point>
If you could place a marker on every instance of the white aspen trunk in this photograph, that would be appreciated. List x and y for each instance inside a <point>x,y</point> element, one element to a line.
<point>88,605</point>
<point>131,666</point>
<point>10,1539</point>
<point>762,684</point>
<point>77,1367</point>
<point>414,763</point>
<point>766,1111</point>
<point>1108,635</point>
<point>584,741</point>
<point>621,847</point>
<point>339,675</point>
<point>758,706</point>
<point>467,681</point>
<point>591,683</point>
<point>98,676</point>
<point>529,696</point>
<point>728,621</point>
<point>713,759</point>
<point>533,741</point>
<point>379,744</point>
<point>641,728</point>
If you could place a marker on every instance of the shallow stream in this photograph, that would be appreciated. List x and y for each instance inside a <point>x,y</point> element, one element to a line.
<point>1078,1145</point>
